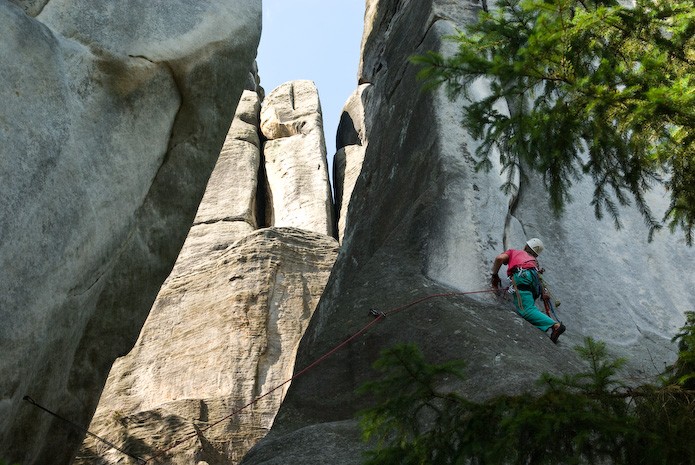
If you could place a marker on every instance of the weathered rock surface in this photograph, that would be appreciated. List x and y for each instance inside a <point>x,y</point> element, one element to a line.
<point>312,445</point>
<point>113,117</point>
<point>77,284</point>
<point>229,208</point>
<point>224,328</point>
<point>352,145</point>
<point>423,222</point>
<point>298,192</point>
<point>217,338</point>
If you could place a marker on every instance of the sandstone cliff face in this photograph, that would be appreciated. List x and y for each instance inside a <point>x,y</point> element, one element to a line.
<point>113,117</point>
<point>218,337</point>
<point>295,159</point>
<point>421,222</point>
<point>351,147</point>
<point>417,221</point>
<point>226,324</point>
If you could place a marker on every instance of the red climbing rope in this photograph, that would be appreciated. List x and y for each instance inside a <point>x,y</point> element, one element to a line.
<point>379,316</point>
<point>431,296</point>
<point>257,399</point>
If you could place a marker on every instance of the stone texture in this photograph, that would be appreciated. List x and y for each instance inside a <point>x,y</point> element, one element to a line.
<point>291,109</point>
<point>311,445</point>
<point>233,186</point>
<point>352,145</point>
<point>223,330</point>
<point>217,338</point>
<point>298,192</point>
<point>351,129</point>
<point>31,7</point>
<point>423,222</point>
<point>229,208</point>
<point>347,164</point>
<point>113,117</point>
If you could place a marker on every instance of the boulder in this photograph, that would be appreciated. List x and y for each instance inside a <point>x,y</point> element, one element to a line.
<point>114,115</point>
<point>311,445</point>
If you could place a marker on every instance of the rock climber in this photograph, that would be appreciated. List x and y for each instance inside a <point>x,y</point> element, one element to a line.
<point>522,269</point>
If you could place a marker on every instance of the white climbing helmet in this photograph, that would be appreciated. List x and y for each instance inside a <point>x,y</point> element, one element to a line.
<point>536,245</point>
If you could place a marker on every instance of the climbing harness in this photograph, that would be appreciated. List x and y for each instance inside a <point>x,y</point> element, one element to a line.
<point>535,286</point>
<point>378,316</point>
<point>535,289</point>
<point>539,289</point>
<point>515,290</point>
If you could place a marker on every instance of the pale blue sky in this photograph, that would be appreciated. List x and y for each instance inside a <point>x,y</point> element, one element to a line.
<point>318,40</point>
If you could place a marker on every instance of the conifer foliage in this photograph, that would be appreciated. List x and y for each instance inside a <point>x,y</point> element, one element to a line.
<point>585,418</point>
<point>594,88</point>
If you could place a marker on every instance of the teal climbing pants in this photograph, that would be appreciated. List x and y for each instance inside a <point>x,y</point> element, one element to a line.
<point>524,301</point>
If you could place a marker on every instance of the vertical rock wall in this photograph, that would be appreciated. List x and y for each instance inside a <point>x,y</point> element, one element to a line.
<point>226,324</point>
<point>113,116</point>
<point>423,224</point>
<point>295,159</point>
<point>219,336</point>
<point>351,147</point>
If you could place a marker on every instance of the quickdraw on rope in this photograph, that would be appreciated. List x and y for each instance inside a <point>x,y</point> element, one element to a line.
<point>378,316</point>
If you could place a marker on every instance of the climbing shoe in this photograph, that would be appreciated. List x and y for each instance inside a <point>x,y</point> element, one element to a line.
<point>556,333</point>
